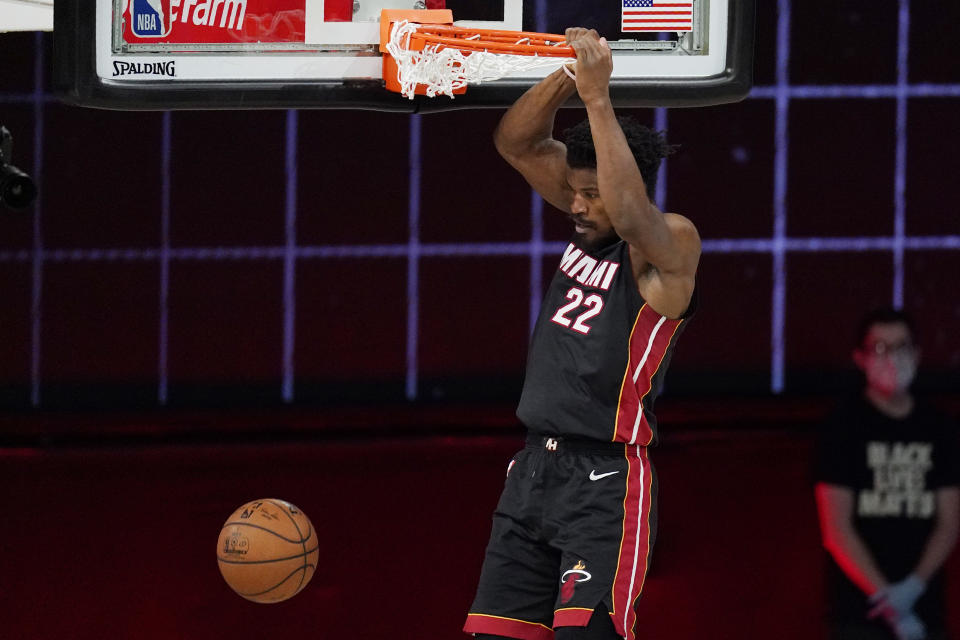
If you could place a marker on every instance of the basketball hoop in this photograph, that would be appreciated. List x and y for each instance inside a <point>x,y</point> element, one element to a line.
<point>425,54</point>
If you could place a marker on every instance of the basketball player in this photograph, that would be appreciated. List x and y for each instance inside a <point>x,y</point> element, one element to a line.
<point>573,531</point>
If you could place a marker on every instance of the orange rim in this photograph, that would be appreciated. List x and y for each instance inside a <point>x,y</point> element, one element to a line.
<point>493,40</point>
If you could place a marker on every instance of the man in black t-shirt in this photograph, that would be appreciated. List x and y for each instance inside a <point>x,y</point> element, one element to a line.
<point>888,494</point>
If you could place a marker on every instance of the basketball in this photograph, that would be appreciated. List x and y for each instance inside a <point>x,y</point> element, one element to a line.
<point>267,550</point>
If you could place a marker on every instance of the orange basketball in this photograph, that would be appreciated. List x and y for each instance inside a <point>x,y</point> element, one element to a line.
<point>267,550</point>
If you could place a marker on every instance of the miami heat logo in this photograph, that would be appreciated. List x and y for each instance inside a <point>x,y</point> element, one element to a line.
<point>569,580</point>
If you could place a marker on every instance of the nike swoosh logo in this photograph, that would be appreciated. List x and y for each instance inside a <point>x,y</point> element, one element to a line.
<point>595,476</point>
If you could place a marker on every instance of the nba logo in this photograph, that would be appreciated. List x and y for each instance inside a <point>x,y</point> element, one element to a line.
<point>150,18</point>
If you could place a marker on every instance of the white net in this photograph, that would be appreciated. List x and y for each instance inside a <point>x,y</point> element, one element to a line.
<point>445,70</point>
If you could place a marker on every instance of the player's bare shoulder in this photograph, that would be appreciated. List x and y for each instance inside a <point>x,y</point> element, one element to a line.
<point>668,288</point>
<point>684,255</point>
<point>686,237</point>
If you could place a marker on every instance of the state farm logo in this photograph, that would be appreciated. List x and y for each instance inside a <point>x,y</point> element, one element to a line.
<point>156,18</point>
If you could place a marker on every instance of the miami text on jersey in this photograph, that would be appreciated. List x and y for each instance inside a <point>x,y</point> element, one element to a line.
<point>586,270</point>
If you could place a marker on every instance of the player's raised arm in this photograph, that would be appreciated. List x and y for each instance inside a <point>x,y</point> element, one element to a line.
<point>524,138</point>
<point>668,242</point>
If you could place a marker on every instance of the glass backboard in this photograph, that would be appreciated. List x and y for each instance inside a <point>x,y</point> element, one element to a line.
<point>168,54</point>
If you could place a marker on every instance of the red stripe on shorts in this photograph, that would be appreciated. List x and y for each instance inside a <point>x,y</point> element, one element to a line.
<point>634,544</point>
<point>509,627</point>
<point>572,617</point>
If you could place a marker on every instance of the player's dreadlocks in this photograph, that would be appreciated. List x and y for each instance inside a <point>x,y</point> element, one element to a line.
<point>648,147</point>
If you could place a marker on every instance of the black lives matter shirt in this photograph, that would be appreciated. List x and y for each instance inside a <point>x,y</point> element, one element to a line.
<point>598,352</point>
<point>894,468</point>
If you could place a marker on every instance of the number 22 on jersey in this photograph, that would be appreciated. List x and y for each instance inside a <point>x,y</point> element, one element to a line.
<point>576,313</point>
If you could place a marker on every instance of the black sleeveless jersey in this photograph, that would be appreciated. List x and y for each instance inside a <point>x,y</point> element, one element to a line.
<point>598,353</point>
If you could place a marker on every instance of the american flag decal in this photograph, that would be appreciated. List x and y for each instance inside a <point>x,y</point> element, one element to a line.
<point>656,15</point>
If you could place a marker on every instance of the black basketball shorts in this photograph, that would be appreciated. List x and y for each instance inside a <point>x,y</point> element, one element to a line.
<point>574,527</point>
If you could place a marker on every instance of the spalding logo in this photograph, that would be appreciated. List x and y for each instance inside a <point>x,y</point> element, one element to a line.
<point>167,68</point>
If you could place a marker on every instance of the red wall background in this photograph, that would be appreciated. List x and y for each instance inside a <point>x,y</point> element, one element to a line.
<point>119,541</point>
